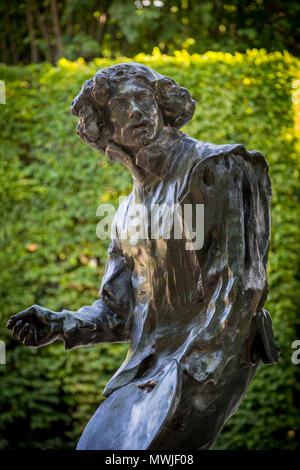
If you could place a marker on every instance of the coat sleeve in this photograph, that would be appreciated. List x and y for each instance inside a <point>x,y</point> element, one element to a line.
<point>106,320</point>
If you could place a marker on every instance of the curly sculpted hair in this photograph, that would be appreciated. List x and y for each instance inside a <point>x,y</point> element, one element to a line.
<point>90,105</point>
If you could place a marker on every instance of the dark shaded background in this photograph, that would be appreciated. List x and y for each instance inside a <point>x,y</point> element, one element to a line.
<point>35,31</point>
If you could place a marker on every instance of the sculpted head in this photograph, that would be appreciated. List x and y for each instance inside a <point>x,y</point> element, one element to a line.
<point>128,105</point>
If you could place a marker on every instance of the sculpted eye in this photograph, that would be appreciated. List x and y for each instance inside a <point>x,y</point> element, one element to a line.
<point>143,95</point>
<point>118,104</point>
<point>148,94</point>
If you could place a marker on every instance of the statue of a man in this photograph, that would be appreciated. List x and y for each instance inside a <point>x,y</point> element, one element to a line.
<point>193,312</point>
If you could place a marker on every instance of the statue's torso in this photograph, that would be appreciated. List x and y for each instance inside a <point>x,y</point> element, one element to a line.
<point>189,304</point>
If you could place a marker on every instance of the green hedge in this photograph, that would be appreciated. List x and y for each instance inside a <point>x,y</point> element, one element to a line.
<point>51,185</point>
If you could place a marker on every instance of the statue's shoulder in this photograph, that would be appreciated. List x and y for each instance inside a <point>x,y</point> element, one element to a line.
<point>202,151</point>
<point>255,166</point>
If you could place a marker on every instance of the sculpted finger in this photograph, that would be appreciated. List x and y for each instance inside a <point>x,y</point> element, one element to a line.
<point>12,322</point>
<point>20,316</point>
<point>23,332</point>
<point>9,324</point>
<point>15,330</point>
<point>35,336</point>
<point>29,339</point>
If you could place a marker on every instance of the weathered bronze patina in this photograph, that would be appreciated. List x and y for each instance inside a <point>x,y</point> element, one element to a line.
<point>193,314</point>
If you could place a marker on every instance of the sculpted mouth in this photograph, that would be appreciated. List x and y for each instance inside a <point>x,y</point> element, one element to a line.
<point>140,124</point>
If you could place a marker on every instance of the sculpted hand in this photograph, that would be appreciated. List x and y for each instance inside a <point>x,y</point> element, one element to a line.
<point>36,326</point>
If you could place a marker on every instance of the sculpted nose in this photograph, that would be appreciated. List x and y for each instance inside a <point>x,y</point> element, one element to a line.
<point>135,112</point>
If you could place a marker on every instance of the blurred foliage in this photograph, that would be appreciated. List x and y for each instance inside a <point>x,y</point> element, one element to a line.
<point>39,30</point>
<point>51,185</point>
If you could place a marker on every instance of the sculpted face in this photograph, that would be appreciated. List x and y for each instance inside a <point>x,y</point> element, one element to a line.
<point>128,105</point>
<point>134,114</point>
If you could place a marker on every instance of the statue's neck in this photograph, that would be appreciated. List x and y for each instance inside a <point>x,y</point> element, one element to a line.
<point>150,161</point>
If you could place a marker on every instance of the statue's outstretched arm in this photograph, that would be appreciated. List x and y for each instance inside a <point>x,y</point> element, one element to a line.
<point>106,320</point>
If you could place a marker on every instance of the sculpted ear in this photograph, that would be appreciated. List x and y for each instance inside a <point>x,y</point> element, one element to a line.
<point>176,103</point>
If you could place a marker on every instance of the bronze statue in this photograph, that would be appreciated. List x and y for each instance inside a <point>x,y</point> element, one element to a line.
<point>193,313</point>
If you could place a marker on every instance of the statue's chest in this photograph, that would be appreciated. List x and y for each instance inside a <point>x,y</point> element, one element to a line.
<point>152,233</point>
<point>150,222</point>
